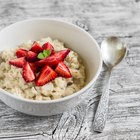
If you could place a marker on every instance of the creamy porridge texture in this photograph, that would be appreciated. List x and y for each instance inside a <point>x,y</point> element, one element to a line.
<point>11,77</point>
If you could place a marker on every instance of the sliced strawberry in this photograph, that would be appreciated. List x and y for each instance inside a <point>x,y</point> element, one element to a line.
<point>46,75</point>
<point>48,46</point>
<point>31,56</point>
<point>34,67</point>
<point>18,62</point>
<point>21,52</point>
<point>28,73</point>
<point>63,70</point>
<point>36,48</point>
<point>54,59</point>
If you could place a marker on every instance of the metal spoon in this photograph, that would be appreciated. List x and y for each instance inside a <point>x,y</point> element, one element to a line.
<point>113,51</point>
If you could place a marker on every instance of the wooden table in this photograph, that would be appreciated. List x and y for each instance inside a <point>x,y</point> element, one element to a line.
<point>101,19</point>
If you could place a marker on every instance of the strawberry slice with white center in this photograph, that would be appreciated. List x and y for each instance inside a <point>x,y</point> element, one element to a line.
<point>18,62</point>
<point>36,48</point>
<point>46,75</point>
<point>31,56</point>
<point>48,46</point>
<point>63,70</point>
<point>54,59</point>
<point>28,73</point>
<point>21,52</point>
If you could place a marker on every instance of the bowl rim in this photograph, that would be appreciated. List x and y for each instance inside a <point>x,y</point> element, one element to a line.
<point>84,89</point>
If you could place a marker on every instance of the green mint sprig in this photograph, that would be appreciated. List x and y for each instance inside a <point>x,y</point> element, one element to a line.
<point>44,54</point>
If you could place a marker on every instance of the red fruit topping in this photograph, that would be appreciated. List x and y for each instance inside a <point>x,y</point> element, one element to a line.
<point>31,56</point>
<point>46,75</point>
<point>28,73</point>
<point>29,61</point>
<point>48,46</point>
<point>21,53</point>
<point>34,67</point>
<point>54,59</point>
<point>36,48</point>
<point>18,62</point>
<point>63,70</point>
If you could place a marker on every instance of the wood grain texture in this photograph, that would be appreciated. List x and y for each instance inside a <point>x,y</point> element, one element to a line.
<point>101,19</point>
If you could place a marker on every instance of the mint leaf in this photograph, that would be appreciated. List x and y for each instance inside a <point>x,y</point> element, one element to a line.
<point>40,56</point>
<point>46,53</point>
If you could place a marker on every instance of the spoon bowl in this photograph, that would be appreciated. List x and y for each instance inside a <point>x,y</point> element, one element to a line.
<point>113,51</point>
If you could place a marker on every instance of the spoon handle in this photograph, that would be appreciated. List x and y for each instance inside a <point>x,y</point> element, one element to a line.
<point>101,112</point>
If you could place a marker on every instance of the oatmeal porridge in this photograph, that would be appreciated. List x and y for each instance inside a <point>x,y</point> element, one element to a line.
<point>41,70</point>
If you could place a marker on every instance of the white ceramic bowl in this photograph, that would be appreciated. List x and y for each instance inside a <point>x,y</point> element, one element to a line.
<point>73,36</point>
